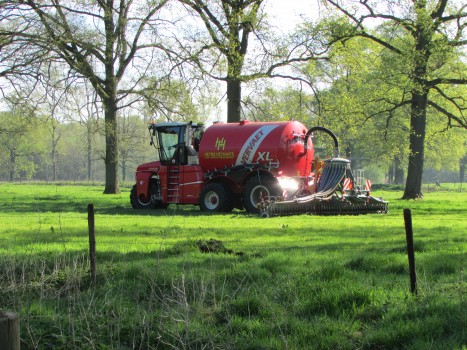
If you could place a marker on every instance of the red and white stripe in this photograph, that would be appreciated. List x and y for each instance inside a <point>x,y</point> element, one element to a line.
<point>347,184</point>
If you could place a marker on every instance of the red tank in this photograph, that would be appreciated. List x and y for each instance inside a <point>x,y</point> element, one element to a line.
<point>278,145</point>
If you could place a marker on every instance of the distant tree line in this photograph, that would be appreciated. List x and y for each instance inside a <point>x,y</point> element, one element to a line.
<point>46,150</point>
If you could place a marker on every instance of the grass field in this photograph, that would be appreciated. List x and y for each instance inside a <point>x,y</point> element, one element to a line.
<point>300,282</point>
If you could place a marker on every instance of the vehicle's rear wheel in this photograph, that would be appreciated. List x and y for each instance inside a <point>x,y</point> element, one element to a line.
<point>216,197</point>
<point>150,202</point>
<point>257,189</point>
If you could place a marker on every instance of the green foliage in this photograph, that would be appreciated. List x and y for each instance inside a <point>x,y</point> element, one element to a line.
<point>279,105</point>
<point>173,100</point>
<point>29,139</point>
<point>365,102</point>
<point>354,104</point>
<point>313,282</point>
<point>21,141</point>
<point>413,80</point>
<point>444,148</point>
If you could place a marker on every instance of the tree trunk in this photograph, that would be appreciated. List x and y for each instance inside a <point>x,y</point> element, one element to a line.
<point>398,172</point>
<point>124,169</point>
<point>112,185</point>
<point>399,176</point>
<point>395,172</point>
<point>53,154</point>
<point>462,170</point>
<point>353,156</point>
<point>419,102</point>
<point>390,174</point>
<point>234,97</point>
<point>89,148</point>
<point>413,185</point>
<point>109,99</point>
<point>12,165</point>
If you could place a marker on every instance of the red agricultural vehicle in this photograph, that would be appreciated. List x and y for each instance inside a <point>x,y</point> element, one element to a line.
<point>267,168</point>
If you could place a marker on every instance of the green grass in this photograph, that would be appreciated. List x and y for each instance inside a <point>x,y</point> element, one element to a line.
<point>300,282</point>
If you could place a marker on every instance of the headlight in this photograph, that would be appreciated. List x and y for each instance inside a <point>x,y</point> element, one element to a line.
<point>288,183</point>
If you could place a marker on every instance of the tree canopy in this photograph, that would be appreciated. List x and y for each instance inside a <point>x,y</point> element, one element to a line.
<point>111,44</point>
<point>423,37</point>
<point>388,77</point>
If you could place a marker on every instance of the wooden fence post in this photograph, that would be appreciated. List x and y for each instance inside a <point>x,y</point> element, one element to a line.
<point>410,250</point>
<point>92,243</point>
<point>9,331</point>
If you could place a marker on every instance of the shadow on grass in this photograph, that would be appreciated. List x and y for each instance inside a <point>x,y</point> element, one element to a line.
<point>65,206</point>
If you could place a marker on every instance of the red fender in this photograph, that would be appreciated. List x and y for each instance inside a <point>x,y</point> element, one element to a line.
<point>142,185</point>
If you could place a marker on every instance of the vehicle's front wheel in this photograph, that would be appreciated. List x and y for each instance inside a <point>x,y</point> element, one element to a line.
<point>216,197</point>
<point>149,203</point>
<point>257,189</point>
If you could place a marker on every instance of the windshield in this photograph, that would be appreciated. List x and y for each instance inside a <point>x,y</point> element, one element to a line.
<point>171,141</point>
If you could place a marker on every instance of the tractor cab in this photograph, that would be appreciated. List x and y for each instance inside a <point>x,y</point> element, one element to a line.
<point>177,143</point>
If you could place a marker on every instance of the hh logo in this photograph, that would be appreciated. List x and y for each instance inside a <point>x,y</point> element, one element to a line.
<point>220,144</point>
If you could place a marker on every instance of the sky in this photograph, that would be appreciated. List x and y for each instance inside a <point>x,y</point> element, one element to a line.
<point>291,11</point>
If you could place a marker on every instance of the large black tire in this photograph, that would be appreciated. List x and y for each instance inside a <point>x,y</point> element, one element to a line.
<point>256,188</point>
<point>151,203</point>
<point>216,198</point>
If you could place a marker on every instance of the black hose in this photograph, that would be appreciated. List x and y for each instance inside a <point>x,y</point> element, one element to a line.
<point>333,172</point>
<point>327,131</point>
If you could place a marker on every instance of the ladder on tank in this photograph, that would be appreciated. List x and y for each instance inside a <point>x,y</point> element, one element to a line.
<point>173,182</point>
